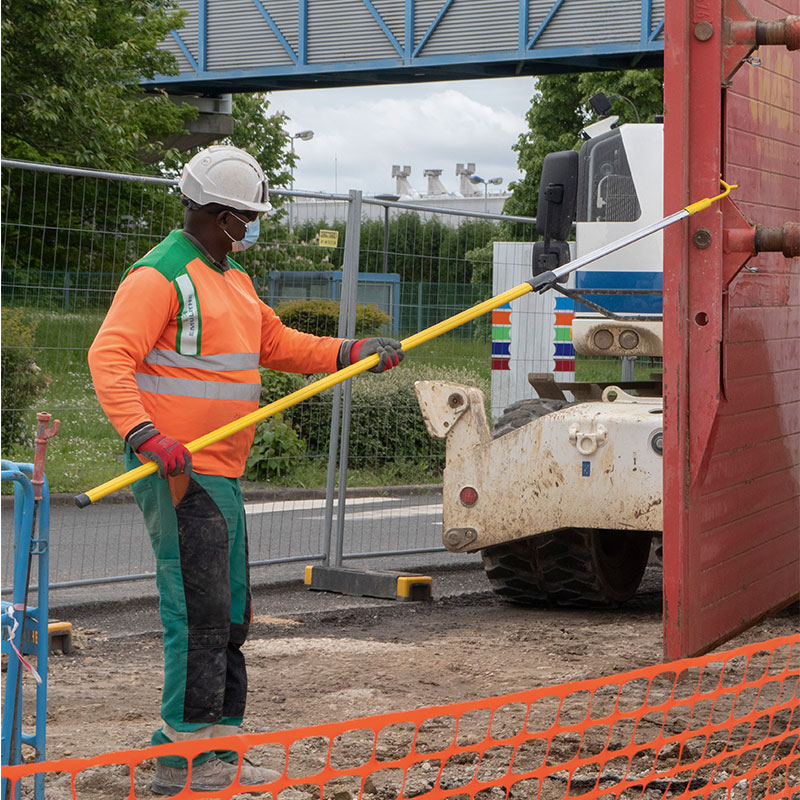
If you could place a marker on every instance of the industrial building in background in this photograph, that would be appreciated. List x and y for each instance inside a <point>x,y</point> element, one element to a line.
<point>472,195</point>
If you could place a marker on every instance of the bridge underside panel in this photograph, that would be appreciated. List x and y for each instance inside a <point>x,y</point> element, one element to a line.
<point>269,45</point>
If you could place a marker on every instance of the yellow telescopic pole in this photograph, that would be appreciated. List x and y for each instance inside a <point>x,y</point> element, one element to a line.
<point>127,478</point>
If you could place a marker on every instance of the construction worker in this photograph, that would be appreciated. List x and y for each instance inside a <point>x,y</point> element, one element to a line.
<point>176,357</point>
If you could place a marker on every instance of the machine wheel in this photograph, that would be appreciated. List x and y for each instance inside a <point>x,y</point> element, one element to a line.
<point>592,567</point>
<point>513,573</point>
<point>570,567</point>
<point>567,567</point>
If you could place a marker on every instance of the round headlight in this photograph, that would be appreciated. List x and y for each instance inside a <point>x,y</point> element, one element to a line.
<point>603,339</point>
<point>628,340</point>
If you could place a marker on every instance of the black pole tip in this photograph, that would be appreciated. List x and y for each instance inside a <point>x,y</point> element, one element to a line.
<point>543,281</point>
<point>82,500</point>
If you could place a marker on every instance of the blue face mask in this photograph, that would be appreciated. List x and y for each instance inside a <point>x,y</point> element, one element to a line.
<point>251,232</point>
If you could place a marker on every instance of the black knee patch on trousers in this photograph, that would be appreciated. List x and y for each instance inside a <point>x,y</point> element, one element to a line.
<point>206,675</point>
<point>203,543</point>
<point>236,686</point>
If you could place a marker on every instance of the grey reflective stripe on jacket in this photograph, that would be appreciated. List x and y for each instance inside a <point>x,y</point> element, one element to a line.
<point>209,390</point>
<point>188,315</point>
<point>221,362</point>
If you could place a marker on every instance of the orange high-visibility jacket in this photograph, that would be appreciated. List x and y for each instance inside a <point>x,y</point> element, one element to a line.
<point>181,346</point>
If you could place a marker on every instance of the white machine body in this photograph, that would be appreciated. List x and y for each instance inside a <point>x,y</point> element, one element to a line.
<point>590,465</point>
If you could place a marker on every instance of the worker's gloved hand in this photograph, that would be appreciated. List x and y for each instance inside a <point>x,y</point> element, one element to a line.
<point>169,454</point>
<point>390,352</point>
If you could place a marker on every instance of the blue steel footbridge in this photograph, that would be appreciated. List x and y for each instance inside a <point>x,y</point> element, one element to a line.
<point>228,46</point>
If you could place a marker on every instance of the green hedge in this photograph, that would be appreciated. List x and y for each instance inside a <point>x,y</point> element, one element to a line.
<point>276,446</point>
<point>386,423</point>
<point>321,317</point>
<point>22,380</point>
<point>275,384</point>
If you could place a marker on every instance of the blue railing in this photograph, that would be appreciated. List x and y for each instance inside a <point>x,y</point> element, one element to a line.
<point>24,627</point>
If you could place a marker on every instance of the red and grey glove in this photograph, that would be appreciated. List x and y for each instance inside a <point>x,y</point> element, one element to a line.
<point>390,352</point>
<point>169,454</point>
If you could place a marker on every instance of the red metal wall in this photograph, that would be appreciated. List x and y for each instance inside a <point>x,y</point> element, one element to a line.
<point>732,355</point>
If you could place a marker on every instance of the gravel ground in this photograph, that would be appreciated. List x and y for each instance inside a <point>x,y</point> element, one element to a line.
<point>316,657</point>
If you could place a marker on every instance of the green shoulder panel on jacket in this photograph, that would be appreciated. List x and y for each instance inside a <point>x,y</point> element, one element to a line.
<point>170,256</point>
<point>234,265</point>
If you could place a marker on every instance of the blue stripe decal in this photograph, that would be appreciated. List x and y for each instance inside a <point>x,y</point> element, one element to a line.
<point>501,348</point>
<point>504,306</point>
<point>641,304</point>
<point>564,304</point>
<point>564,349</point>
<point>652,279</point>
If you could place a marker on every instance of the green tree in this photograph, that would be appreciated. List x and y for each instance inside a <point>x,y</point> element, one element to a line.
<point>71,71</point>
<point>560,108</point>
<point>263,135</point>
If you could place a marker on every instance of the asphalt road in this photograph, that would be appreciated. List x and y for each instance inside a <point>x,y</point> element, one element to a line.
<point>126,614</point>
<point>109,539</point>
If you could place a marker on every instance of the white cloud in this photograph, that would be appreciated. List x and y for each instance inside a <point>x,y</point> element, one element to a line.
<point>360,133</point>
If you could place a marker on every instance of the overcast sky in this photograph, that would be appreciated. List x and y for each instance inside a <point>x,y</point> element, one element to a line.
<point>359,133</point>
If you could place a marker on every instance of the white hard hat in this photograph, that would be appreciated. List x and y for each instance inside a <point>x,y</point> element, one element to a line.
<point>226,175</point>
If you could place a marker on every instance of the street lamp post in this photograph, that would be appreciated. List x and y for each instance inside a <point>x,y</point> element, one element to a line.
<point>303,136</point>
<point>478,179</point>
<point>392,198</point>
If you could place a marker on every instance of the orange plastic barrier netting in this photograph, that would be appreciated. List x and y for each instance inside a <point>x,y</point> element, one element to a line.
<point>726,725</point>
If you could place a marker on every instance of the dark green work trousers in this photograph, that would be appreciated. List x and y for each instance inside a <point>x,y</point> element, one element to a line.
<point>204,599</point>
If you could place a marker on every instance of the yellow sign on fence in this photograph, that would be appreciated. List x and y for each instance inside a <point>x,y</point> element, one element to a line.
<point>328,238</point>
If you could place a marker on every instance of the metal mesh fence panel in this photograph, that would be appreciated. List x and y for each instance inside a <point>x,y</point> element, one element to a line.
<point>67,238</point>
<point>442,264</point>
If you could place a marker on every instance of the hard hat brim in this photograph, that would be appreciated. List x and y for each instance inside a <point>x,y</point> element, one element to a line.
<point>241,205</point>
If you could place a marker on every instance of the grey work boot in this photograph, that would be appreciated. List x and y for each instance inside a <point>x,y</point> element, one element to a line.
<point>210,775</point>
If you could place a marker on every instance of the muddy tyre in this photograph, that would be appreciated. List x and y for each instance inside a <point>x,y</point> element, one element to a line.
<point>567,567</point>
<point>524,411</point>
<point>513,574</point>
<point>571,567</point>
